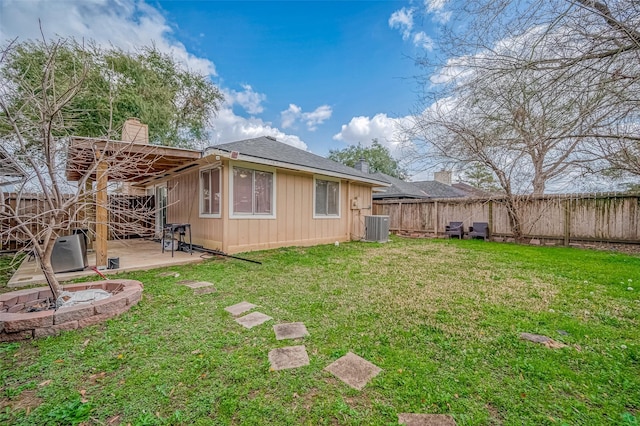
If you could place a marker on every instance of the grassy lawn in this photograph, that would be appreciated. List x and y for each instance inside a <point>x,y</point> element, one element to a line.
<point>441,318</point>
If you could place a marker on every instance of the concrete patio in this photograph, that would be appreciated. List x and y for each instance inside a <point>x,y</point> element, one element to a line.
<point>134,255</point>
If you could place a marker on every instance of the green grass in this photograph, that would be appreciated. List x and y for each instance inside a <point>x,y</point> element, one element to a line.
<point>441,318</point>
<point>8,266</point>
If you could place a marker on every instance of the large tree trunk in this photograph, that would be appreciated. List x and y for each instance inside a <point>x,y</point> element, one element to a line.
<point>515,218</point>
<point>539,183</point>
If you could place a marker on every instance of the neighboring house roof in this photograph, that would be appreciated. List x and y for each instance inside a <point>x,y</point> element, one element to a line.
<point>471,191</point>
<point>267,150</point>
<point>423,189</point>
<point>398,189</point>
<point>437,189</point>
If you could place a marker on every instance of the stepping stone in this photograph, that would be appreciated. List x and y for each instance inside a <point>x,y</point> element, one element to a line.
<point>292,330</point>
<point>353,370</point>
<point>184,282</point>
<point>410,419</point>
<point>288,357</point>
<point>204,290</point>
<point>547,341</point>
<point>253,319</point>
<point>239,308</point>
<point>199,284</point>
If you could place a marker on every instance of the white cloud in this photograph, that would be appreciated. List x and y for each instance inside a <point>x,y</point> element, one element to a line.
<point>229,127</point>
<point>129,25</point>
<point>403,21</point>
<point>312,119</point>
<point>387,130</point>
<point>436,8</point>
<point>421,39</point>
<point>435,5</point>
<point>290,115</point>
<point>126,24</point>
<point>248,99</point>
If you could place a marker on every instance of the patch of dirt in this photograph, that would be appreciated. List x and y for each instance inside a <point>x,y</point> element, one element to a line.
<point>633,249</point>
<point>495,418</point>
<point>308,399</point>
<point>27,401</point>
<point>113,420</point>
<point>358,402</point>
<point>229,349</point>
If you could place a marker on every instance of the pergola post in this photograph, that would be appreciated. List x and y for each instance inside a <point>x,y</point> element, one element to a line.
<point>102,214</point>
<point>89,214</point>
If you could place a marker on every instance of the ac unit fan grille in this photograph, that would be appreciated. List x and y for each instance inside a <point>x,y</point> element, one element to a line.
<point>376,228</point>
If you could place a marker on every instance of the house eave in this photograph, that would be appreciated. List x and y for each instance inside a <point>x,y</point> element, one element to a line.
<point>294,167</point>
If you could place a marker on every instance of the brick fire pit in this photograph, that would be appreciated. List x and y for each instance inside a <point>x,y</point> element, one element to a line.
<point>16,325</point>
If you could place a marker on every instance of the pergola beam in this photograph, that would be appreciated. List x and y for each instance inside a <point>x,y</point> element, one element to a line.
<point>106,160</point>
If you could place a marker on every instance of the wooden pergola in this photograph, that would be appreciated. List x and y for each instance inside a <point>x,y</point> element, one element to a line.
<point>103,160</point>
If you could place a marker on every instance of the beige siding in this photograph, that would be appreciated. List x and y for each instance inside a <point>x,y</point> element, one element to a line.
<point>364,208</point>
<point>184,207</point>
<point>294,224</point>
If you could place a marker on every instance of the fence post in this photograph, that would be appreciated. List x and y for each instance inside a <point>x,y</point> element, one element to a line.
<point>567,221</point>
<point>435,218</point>
<point>490,219</point>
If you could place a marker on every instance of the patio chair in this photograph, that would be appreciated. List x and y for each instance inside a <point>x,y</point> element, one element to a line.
<point>479,230</point>
<point>454,229</point>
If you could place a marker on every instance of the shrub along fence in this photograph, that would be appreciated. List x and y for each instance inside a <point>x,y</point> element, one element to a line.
<point>560,219</point>
<point>129,216</point>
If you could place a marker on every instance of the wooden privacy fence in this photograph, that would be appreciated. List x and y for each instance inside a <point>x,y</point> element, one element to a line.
<point>613,218</point>
<point>129,216</point>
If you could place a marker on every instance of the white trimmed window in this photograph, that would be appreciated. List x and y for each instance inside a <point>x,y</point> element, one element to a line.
<point>326,198</point>
<point>210,190</point>
<point>253,193</point>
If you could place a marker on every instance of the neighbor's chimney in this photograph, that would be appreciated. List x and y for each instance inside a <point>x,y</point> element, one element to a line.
<point>443,176</point>
<point>135,132</point>
<point>362,165</point>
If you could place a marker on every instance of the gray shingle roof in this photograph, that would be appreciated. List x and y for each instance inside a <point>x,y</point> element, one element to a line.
<point>268,148</point>
<point>437,189</point>
<point>470,190</point>
<point>422,189</point>
<point>398,189</point>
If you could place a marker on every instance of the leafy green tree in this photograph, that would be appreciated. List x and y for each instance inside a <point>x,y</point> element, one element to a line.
<point>53,90</point>
<point>177,104</point>
<point>481,177</point>
<point>378,156</point>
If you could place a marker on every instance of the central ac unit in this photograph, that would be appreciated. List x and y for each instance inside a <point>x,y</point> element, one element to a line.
<point>376,228</point>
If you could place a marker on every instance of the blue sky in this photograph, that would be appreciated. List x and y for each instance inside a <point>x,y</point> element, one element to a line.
<point>315,74</point>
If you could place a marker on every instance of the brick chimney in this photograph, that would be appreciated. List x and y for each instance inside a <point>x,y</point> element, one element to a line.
<point>443,176</point>
<point>134,131</point>
<point>362,165</point>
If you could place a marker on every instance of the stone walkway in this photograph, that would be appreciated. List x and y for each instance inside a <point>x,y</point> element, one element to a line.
<point>253,319</point>
<point>288,357</point>
<point>352,369</point>
<point>410,419</point>
<point>240,308</point>
<point>355,371</point>
<point>198,287</point>
<point>293,330</point>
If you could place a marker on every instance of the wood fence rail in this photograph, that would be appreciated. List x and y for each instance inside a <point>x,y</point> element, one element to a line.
<point>566,218</point>
<point>129,215</point>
